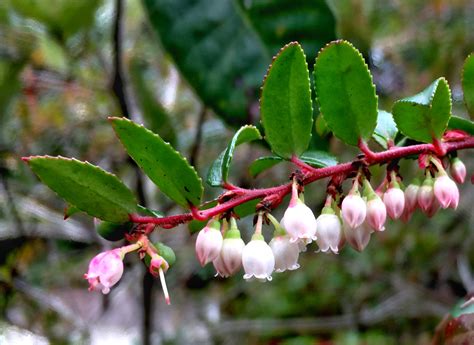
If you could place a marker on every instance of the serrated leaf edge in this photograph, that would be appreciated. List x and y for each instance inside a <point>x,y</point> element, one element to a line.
<point>469,57</point>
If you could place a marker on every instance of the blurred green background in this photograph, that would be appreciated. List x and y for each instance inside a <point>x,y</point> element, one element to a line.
<point>191,71</point>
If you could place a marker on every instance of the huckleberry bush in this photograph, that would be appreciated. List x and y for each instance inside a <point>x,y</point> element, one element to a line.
<point>348,105</point>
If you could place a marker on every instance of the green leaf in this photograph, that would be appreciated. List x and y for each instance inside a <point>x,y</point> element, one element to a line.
<point>345,92</point>
<point>263,163</point>
<point>160,161</point>
<point>219,171</point>
<point>247,208</point>
<point>285,105</point>
<point>318,159</point>
<point>386,128</point>
<point>456,122</point>
<point>86,186</point>
<point>149,212</point>
<point>113,231</point>
<point>425,116</point>
<point>468,84</point>
<point>222,47</point>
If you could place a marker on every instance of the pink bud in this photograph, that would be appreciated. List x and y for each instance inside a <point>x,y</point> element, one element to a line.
<point>105,270</point>
<point>394,201</point>
<point>434,207</point>
<point>229,260</point>
<point>353,210</point>
<point>406,215</point>
<point>458,170</point>
<point>446,192</point>
<point>411,197</point>
<point>359,237</point>
<point>328,232</point>
<point>286,253</point>
<point>376,214</point>
<point>426,196</point>
<point>209,243</point>
<point>258,259</point>
<point>299,222</point>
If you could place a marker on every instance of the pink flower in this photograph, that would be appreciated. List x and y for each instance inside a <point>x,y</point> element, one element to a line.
<point>394,201</point>
<point>376,214</point>
<point>426,196</point>
<point>354,210</point>
<point>258,259</point>
<point>328,231</point>
<point>299,222</point>
<point>411,197</point>
<point>458,170</point>
<point>229,261</point>
<point>209,242</point>
<point>105,270</point>
<point>446,192</point>
<point>286,253</point>
<point>359,237</point>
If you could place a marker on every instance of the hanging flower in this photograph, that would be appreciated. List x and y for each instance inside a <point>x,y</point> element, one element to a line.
<point>458,170</point>
<point>446,191</point>
<point>394,200</point>
<point>376,213</point>
<point>209,242</point>
<point>286,253</point>
<point>328,231</point>
<point>359,237</point>
<point>105,270</point>
<point>229,261</point>
<point>353,209</point>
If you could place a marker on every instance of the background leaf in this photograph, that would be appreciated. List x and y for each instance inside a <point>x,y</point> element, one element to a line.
<point>163,165</point>
<point>345,92</point>
<point>456,122</point>
<point>285,105</point>
<point>426,114</point>
<point>468,84</point>
<point>219,170</point>
<point>86,186</point>
<point>263,163</point>
<point>386,128</point>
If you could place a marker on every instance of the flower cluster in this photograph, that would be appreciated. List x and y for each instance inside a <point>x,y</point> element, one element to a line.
<point>344,219</point>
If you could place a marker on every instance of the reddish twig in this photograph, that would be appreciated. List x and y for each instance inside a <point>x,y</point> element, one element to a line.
<point>312,174</point>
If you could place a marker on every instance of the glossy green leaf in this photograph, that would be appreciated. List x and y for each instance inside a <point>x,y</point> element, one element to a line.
<point>113,231</point>
<point>88,187</point>
<point>425,116</point>
<point>263,163</point>
<point>219,170</point>
<point>345,92</point>
<point>386,128</point>
<point>286,106</point>
<point>222,47</point>
<point>160,161</point>
<point>468,84</point>
<point>456,122</point>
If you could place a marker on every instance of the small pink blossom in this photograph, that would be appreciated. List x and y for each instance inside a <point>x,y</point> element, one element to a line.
<point>446,192</point>
<point>426,196</point>
<point>328,231</point>
<point>229,261</point>
<point>394,201</point>
<point>286,253</point>
<point>359,237</point>
<point>458,170</point>
<point>258,259</point>
<point>209,243</point>
<point>299,222</point>
<point>105,270</point>
<point>411,197</point>
<point>376,214</point>
<point>354,210</point>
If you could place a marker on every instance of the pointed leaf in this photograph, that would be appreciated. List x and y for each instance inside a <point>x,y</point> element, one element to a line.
<point>456,122</point>
<point>425,116</point>
<point>263,163</point>
<point>86,186</point>
<point>219,171</point>
<point>160,161</point>
<point>285,105</point>
<point>345,92</point>
<point>468,84</point>
<point>386,128</point>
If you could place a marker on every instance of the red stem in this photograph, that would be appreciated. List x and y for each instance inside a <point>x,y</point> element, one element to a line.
<point>313,174</point>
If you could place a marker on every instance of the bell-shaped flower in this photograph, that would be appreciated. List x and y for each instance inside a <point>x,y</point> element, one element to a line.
<point>354,210</point>
<point>434,207</point>
<point>458,170</point>
<point>376,213</point>
<point>446,191</point>
<point>299,222</point>
<point>426,196</point>
<point>105,270</point>
<point>229,260</point>
<point>359,237</point>
<point>258,259</point>
<point>286,253</point>
<point>411,197</point>
<point>219,266</point>
<point>328,231</point>
<point>394,200</point>
<point>209,242</point>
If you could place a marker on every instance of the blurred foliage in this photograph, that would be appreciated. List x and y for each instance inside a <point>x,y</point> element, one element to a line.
<point>194,66</point>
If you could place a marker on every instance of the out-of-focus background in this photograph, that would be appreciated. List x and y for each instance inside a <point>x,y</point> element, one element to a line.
<point>191,70</point>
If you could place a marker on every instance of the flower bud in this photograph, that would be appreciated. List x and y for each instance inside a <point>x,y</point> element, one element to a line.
<point>286,253</point>
<point>394,201</point>
<point>411,197</point>
<point>299,222</point>
<point>458,170</point>
<point>353,210</point>
<point>258,259</point>
<point>446,191</point>
<point>229,260</point>
<point>376,214</point>
<point>328,231</point>
<point>434,207</point>
<point>359,237</point>
<point>105,270</point>
<point>426,196</point>
<point>209,242</point>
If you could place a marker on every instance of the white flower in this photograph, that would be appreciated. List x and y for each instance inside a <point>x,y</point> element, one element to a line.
<point>299,222</point>
<point>359,237</point>
<point>411,197</point>
<point>446,191</point>
<point>394,200</point>
<point>376,214</point>
<point>328,231</point>
<point>285,252</point>
<point>258,259</point>
<point>209,243</point>
<point>354,210</point>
